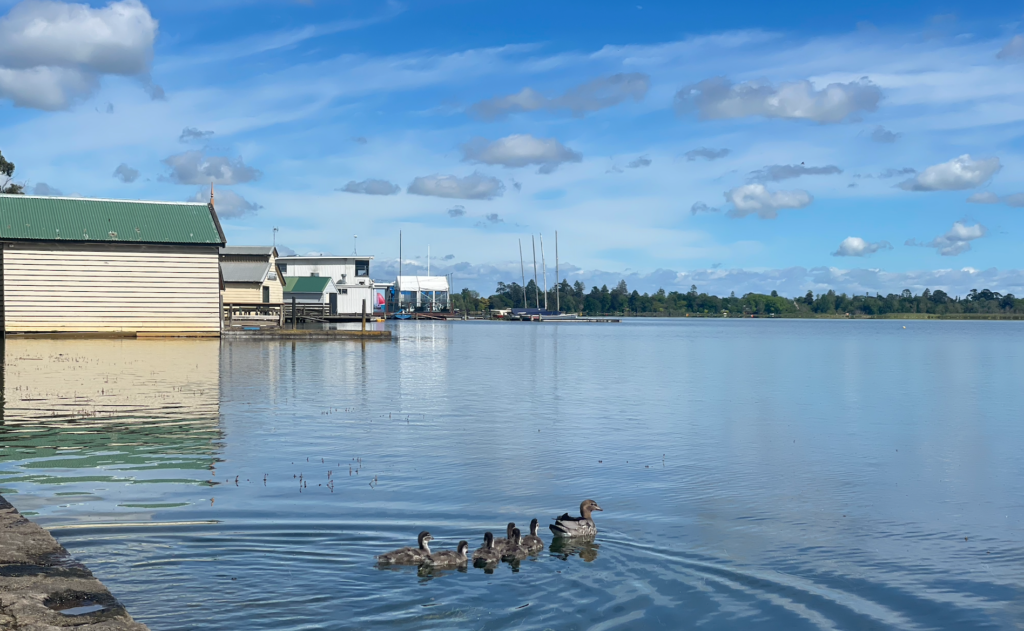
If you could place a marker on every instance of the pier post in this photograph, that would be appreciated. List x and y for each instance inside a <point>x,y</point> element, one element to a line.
<point>364,315</point>
<point>295,314</point>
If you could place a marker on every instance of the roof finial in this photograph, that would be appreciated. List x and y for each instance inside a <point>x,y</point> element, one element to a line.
<point>211,193</point>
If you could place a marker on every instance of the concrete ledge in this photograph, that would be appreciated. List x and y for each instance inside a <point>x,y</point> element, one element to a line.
<point>306,334</point>
<point>39,580</point>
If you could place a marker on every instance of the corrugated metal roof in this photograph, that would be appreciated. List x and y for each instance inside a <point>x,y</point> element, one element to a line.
<point>24,217</point>
<point>247,250</point>
<point>306,284</point>
<point>241,272</point>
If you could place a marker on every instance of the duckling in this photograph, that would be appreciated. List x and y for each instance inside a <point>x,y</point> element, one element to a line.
<point>409,556</point>
<point>447,558</point>
<point>515,551</point>
<point>488,554</point>
<point>532,541</point>
<point>582,526</point>
<point>502,542</point>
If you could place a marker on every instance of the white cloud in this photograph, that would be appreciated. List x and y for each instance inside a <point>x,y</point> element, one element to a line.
<point>474,186</point>
<point>707,154</point>
<point>229,204</point>
<point>53,53</point>
<point>720,98</point>
<point>371,187</point>
<point>883,135</point>
<point>1016,200</point>
<point>45,190</point>
<point>984,197</point>
<point>855,246</point>
<point>639,163</point>
<point>192,133</point>
<point>1014,49</point>
<point>519,150</point>
<point>756,199</point>
<point>701,207</point>
<point>956,241</point>
<point>194,167</point>
<point>956,175</point>
<point>126,174</point>
<point>777,172</point>
<point>592,96</point>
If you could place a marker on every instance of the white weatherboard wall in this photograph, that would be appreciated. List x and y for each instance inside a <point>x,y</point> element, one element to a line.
<point>111,288</point>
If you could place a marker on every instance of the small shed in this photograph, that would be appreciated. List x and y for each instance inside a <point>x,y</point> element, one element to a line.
<point>311,290</point>
<point>251,275</point>
<point>105,265</point>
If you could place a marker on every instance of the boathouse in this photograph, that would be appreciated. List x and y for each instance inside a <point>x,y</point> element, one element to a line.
<point>251,275</point>
<point>350,275</point>
<point>312,290</point>
<point>109,266</point>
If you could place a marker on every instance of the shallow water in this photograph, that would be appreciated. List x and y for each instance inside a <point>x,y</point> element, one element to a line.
<point>754,474</point>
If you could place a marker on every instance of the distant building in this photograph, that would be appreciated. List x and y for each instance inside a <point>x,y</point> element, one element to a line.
<point>422,293</point>
<point>350,275</point>
<point>251,275</point>
<point>114,266</point>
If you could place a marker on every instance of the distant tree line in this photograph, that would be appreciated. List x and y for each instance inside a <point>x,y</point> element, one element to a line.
<point>573,298</point>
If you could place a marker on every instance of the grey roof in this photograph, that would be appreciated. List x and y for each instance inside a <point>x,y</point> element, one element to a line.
<point>244,272</point>
<point>247,250</point>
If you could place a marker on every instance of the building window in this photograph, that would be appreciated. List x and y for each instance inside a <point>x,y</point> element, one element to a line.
<point>344,291</point>
<point>363,268</point>
<point>284,267</point>
<point>266,295</point>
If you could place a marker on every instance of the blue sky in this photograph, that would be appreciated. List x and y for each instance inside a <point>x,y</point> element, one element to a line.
<point>738,146</point>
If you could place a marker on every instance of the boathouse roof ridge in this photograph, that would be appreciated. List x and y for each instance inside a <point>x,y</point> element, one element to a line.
<point>33,218</point>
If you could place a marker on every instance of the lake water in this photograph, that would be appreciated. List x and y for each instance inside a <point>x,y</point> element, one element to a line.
<point>765,474</point>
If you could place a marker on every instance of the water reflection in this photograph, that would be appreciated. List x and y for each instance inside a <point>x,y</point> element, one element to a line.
<point>584,548</point>
<point>108,422</point>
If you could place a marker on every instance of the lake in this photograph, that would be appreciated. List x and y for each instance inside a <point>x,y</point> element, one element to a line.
<point>769,474</point>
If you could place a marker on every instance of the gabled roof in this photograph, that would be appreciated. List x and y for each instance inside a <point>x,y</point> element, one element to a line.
<point>244,272</point>
<point>306,284</point>
<point>29,218</point>
<point>248,250</point>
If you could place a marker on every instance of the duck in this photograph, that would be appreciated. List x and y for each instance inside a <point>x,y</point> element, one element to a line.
<point>501,542</point>
<point>582,526</point>
<point>515,551</point>
<point>447,558</point>
<point>488,554</point>
<point>409,556</point>
<point>532,541</point>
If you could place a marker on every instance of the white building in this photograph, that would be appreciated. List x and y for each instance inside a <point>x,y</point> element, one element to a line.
<point>350,275</point>
<point>422,293</point>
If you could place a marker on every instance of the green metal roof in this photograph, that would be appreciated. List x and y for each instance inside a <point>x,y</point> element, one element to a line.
<point>306,284</point>
<point>23,217</point>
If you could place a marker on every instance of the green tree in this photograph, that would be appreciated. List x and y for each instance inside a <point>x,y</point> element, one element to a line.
<point>6,174</point>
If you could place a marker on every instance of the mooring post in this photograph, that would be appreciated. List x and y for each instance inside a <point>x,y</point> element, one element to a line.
<point>294,313</point>
<point>364,315</point>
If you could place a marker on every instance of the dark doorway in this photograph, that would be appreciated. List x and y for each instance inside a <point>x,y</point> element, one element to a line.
<point>266,295</point>
<point>334,303</point>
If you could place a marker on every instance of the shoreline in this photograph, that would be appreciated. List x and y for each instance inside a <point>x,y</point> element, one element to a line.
<point>43,587</point>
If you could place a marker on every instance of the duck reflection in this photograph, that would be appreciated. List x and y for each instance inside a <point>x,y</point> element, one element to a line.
<point>585,548</point>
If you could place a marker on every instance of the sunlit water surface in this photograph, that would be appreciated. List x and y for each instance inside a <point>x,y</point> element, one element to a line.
<point>754,474</point>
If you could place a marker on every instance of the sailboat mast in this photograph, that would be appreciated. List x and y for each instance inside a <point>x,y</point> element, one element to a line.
<point>544,266</point>
<point>522,268</point>
<point>558,306</point>
<point>536,289</point>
